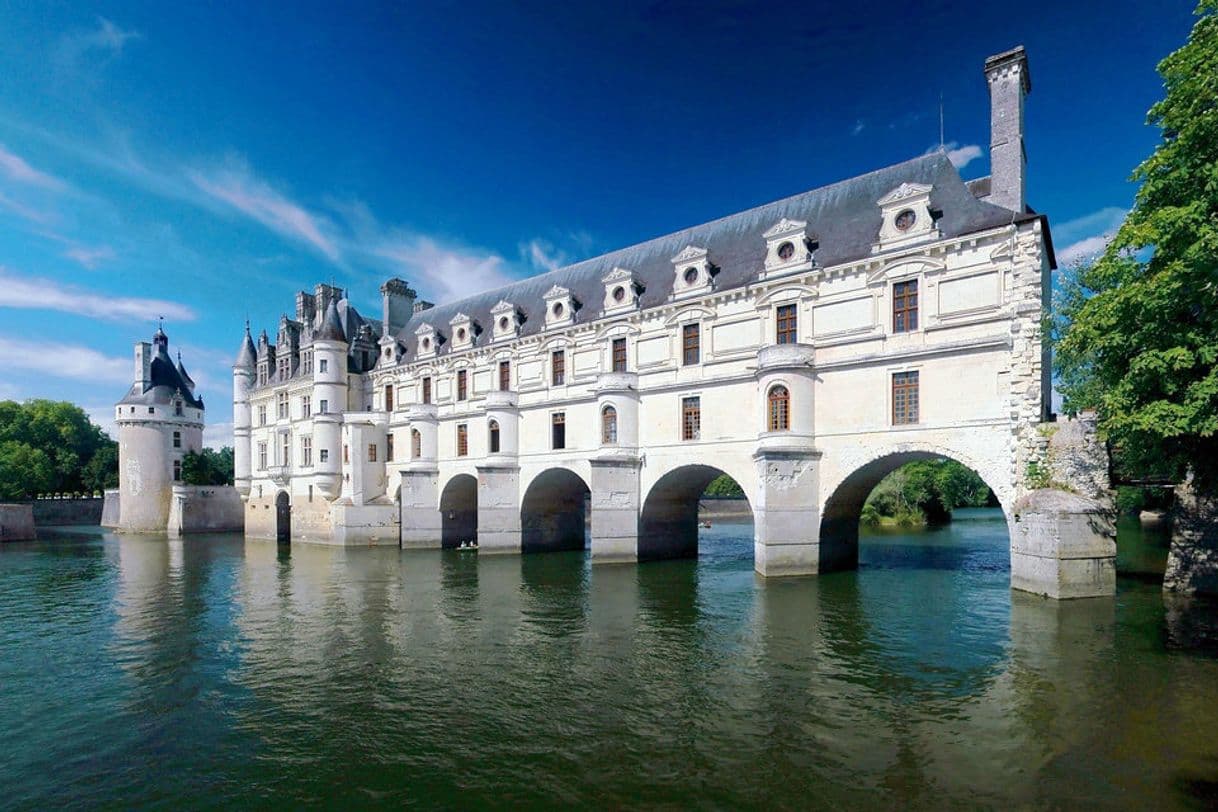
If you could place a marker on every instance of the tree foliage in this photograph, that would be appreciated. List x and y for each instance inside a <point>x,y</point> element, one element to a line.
<point>208,467</point>
<point>723,487</point>
<point>925,491</point>
<point>52,446</point>
<point>1136,330</point>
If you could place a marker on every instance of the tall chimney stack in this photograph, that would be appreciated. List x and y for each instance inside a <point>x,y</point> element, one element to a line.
<point>1009,81</point>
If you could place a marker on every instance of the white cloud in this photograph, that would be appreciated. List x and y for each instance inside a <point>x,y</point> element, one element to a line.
<point>217,435</point>
<point>962,156</point>
<point>17,169</point>
<point>103,417</point>
<point>542,255</point>
<point>57,360</point>
<point>105,41</point>
<point>858,127</point>
<point>255,198</point>
<point>45,294</point>
<point>1087,236</point>
<point>90,257</point>
<point>451,272</point>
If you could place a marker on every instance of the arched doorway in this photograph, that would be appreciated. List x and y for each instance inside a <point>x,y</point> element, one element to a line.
<point>459,511</point>
<point>843,513</point>
<point>553,513</point>
<point>283,517</point>
<point>668,524</point>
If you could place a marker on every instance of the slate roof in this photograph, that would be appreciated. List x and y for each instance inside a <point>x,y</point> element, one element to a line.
<point>165,383</point>
<point>843,217</point>
<point>247,356</point>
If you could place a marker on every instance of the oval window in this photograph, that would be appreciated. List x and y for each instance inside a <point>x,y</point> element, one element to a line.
<point>503,323</point>
<point>558,310</point>
<point>691,275</point>
<point>619,293</point>
<point>905,220</point>
<point>786,251</point>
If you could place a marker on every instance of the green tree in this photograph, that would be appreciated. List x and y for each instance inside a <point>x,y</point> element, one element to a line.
<point>25,471</point>
<point>1136,331</point>
<point>66,439</point>
<point>208,467</point>
<point>101,471</point>
<point>723,487</point>
<point>926,491</point>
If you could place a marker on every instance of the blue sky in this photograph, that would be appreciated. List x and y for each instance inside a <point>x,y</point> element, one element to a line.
<point>205,161</point>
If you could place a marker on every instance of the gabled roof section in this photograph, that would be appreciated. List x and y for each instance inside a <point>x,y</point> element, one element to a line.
<point>843,215</point>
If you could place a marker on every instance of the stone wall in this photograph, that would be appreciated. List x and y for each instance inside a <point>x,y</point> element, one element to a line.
<point>205,509</point>
<point>16,523</point>
<point>53,512</point>
<point>1192,563</point>
<point>111,510</point>
<point>1076,458</point>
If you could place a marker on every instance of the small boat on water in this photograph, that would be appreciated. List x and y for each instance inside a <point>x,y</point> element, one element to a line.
<point>468,546</point>
<point>704,523</point>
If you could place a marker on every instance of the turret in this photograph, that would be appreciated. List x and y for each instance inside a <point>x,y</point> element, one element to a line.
<point>329,401</point>
<point>243,382</point>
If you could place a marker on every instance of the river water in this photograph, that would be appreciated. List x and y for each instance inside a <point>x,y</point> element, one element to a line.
<point>218,672</point>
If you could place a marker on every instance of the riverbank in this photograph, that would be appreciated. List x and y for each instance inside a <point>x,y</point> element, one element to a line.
<point>724,509</point>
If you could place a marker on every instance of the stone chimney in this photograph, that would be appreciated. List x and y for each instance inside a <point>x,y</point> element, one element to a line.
<point>1010,82</point>
<point>143,365</point>
<point>397,299</point>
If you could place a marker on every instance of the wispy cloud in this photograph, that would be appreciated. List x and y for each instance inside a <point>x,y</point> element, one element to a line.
<point>962,156</point>
<point>255,198</point>
<point>63,361</point>
<point>18,170</point>
<point>29,293</point>
<point>542,254</point>
<point>218,435</point>
<point>859,126</point>
<point>1087,236</point>
<point>90,257</point>
<point>450,271</point>
<point>104,41</point>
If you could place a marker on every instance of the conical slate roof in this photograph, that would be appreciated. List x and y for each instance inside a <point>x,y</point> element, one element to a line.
<point>331,326</point>
<point>247,356</point>
<point>183,374</point>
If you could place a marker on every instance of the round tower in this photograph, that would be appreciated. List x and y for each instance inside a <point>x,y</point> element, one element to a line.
<point>243,382</point>
<point>329,402</point>
<point>159,421</point>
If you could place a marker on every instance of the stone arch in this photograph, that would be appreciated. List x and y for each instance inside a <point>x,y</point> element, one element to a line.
<point>842,500</point>
<point>553,512</point>
<point>459,511</point>
<point>668,522</point>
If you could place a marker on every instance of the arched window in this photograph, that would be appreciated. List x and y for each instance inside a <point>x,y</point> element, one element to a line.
<point>493,429</point>
<point>609,426</point>
<point>779,409</point>
<point>416,444</point>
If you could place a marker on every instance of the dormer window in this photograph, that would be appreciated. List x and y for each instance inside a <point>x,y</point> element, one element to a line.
<point>789,248</point>
<point>428,339</point>
<point>463,331</point>
<point>906,217</point>
<point>506,321</point>
<point>621,291</point>
<point>560,307</point>
<point>694,272</point>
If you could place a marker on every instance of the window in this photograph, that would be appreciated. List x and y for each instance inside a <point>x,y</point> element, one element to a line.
<point>558,430</point>
<point>427,390</point>
<point>786,321</point>
<point>462,384</point>
<point>690,350</point>
<point>262,456</point>
<point>389,447</point>
<point>177,408</point>
<point>905,306</point>
<point>609,426</point>
<point>462,440</point>
<point>306,362</point>
<point>323,406</point>
<point>493,436</point>
<point>691,418</point>
<point>262,374</point>
<point>619,355</point>
<point>778,409</point>
<point>177,439</point>
<point>177,470</point>
<point>389,398</point>
<point>285,448</point>
<point>416,444</point>
<point>558,368</point>
<point>151,410</point>
<point>323,455</point>
<point>306,406</point>
<point>371,452</point>
<point>306,452</point>
<point>281,405</point>
<point>505,376</point>
<point>322,365</point>
<point>346,454</point>
<point>904,398</point>
<point>285,368</point>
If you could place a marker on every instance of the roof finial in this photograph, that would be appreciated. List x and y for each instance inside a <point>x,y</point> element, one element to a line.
<point>941,138</point>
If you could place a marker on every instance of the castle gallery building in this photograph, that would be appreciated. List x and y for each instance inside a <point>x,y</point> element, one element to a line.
<point>806,347</point>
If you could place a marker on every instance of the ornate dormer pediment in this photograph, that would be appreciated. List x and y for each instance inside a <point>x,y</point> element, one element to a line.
<point>789,248</point>
<point>694,273</point>
<point>906,217</point>
<point>427,340</point>
<point>462,331</point>
<point>505,321</point>
<point>621,291</point>
<point>560,306</point>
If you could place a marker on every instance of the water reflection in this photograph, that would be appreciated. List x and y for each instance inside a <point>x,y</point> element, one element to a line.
<point>251,674</point>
